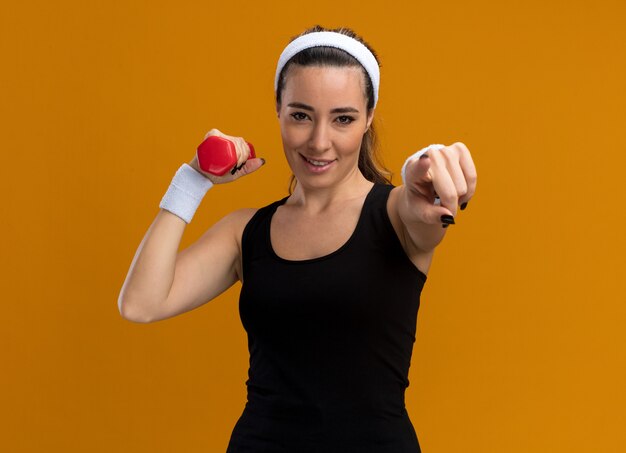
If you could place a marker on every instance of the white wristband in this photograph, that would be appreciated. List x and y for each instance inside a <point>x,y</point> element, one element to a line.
<point>185,192</point>
<point>416,156</point>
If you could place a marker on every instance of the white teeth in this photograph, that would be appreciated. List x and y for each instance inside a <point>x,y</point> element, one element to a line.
<point>317,163</point>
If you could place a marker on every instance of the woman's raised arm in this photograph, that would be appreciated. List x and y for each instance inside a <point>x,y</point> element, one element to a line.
<point>162,282</point>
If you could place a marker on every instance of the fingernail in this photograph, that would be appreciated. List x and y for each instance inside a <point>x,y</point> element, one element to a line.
<point>445,225</point>
<point>423,156</point>
<point>464,205</point>
<point>446,218</point>
<point>262,160</point>
<point>241,166</point>
<point>232,172</point>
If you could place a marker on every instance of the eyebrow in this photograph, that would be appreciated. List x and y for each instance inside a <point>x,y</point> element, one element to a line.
<point>302,106</point>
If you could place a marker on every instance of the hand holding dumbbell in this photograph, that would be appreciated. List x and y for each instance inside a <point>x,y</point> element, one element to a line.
<point>224,158</point>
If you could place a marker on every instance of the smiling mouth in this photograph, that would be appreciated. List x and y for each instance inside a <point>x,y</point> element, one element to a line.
<point>317,163</point>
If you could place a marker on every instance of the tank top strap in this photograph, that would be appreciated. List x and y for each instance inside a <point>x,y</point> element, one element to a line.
<point>378,197</point>
<point>253,244</point>
<point>375,222</point>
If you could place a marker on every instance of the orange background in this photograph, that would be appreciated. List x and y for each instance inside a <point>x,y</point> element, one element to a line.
<point>520,341</point>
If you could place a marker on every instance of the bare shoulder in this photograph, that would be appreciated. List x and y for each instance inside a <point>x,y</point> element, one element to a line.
<point>236,222</point>
<point>420,258</point>
<point>240,217</point>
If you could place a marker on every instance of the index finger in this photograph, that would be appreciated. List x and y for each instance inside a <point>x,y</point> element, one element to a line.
<point>469,170</point>
<point>442,182</point>
<point>243,151</point>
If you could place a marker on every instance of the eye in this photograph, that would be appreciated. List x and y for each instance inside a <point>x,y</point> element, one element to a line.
<point>299,116</point>
<point>345,119</point>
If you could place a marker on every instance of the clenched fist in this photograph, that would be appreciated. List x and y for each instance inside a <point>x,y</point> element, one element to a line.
<point>444,172</point>
<point>244,165</point>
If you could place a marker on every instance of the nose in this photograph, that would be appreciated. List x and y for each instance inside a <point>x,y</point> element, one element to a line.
<point>320,139</point>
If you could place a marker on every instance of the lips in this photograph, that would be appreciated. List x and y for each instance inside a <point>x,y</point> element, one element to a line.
<point>319,163</point>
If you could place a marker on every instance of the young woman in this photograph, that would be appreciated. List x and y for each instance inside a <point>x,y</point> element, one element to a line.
<point>331,274</point>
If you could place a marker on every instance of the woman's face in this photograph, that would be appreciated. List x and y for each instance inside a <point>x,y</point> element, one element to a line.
<point>323,117</point>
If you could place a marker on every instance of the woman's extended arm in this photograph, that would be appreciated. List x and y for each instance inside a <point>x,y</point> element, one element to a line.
<point>448,173</point>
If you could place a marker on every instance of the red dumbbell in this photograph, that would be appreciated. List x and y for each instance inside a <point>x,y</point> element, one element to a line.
<point>218,155</point>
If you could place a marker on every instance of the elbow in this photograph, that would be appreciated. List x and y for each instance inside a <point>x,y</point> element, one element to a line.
<point>131,312</point>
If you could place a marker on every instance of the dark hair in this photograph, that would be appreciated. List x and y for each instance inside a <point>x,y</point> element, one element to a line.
<point>369,161</point>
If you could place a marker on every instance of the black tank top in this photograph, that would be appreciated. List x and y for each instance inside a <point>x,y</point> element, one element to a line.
<point>330,341</point>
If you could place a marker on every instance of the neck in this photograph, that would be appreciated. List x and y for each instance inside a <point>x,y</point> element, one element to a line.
<point>316,199</point>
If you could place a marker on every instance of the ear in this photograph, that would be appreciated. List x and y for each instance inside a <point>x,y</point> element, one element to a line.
<point>370,118</point>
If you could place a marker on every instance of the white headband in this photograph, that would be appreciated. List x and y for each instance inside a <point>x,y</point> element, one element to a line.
<point>332,39</point>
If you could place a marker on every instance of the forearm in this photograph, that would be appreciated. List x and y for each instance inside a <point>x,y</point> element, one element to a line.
<point>424,236</point>
<point>151,272</point>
